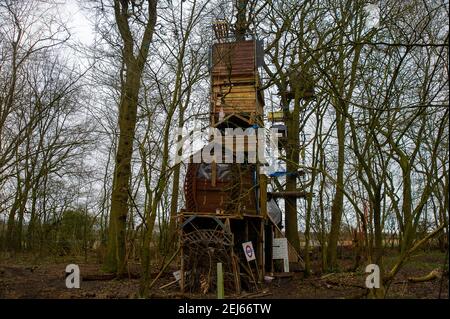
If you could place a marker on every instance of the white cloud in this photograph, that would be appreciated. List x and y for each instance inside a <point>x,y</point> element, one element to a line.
<point>373,19</point>
<point>80,27</point>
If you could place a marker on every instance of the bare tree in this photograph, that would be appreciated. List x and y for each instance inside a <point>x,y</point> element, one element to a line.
<point>135,50</point>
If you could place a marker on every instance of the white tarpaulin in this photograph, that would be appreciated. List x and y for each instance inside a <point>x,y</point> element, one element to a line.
<point>280,251</point>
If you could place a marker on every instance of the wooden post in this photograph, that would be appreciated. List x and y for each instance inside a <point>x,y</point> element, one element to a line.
<point>220,287</point>
<point>263,195</point>
<point>251,273</point>
<point>258,272</point>
<point>181,261</point>
<point>261,258</point>
<point>228,225</point>
<point>213,173</point>
<point>236,271</point>
<point>263,212</point>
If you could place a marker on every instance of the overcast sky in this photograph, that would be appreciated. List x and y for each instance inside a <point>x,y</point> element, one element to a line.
<point>80,27</point>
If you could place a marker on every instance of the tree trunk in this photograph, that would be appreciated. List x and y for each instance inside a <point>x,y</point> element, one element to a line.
<point>293,157</point>
<point>130,87</point>
<point>409,232</point>
<point>378,227</point>
<point>338,201</point>
<point>115,258</point>
<point>30,237</point>
<point>175,194</point>
<point>241,19</point>
<point>11,229</point>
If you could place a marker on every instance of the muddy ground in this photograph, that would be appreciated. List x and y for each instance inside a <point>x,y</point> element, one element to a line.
<point>31,277</point>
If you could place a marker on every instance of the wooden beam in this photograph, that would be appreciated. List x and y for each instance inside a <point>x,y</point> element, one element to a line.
<point>213,173</point>
<point>263,195</point>
<point>282,194</point>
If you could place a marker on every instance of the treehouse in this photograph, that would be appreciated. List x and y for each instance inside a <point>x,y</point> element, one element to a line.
<point>236,95</point>
<point>226,204</point>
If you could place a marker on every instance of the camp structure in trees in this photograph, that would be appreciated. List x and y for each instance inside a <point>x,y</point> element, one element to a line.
<point>227,203</point>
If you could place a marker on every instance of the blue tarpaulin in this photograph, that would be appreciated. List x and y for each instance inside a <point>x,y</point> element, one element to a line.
<point>282,173</point>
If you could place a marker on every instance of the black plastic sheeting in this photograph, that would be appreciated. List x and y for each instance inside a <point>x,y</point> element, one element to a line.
<point>223,171</point>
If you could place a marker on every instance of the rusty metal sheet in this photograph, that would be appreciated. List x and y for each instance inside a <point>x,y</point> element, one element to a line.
<point>229,195</point>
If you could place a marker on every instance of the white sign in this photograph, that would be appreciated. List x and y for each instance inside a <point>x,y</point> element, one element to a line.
<point>280,251</point>
<point>177,275</point>
<point>249,251</point>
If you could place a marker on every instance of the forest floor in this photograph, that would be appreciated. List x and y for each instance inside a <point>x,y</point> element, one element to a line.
<point>26,277</point>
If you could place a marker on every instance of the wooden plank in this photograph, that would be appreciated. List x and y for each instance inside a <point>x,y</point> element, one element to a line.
<point>289,194</point>
<point>234,87</point>
<point>234,93</point>
<point>277,116</point>
<point>238,98</point>
<point>249,108</point>
<point>255,295</point>
<point>169,284</point>
<point>236,272</point>
<point>226,79</point>
<point>213,213</point>
<point>238,107</point>
<point>220,286</point>
<point>263,194</point>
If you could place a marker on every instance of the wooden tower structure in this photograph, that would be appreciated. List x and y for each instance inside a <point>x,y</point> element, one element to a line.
<point>226,203</point>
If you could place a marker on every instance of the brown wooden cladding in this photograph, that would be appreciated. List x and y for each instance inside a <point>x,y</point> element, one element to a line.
<point>242,98</point>
<point>237,58</point>
<point>235,196</point>
<point>235,81</point>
